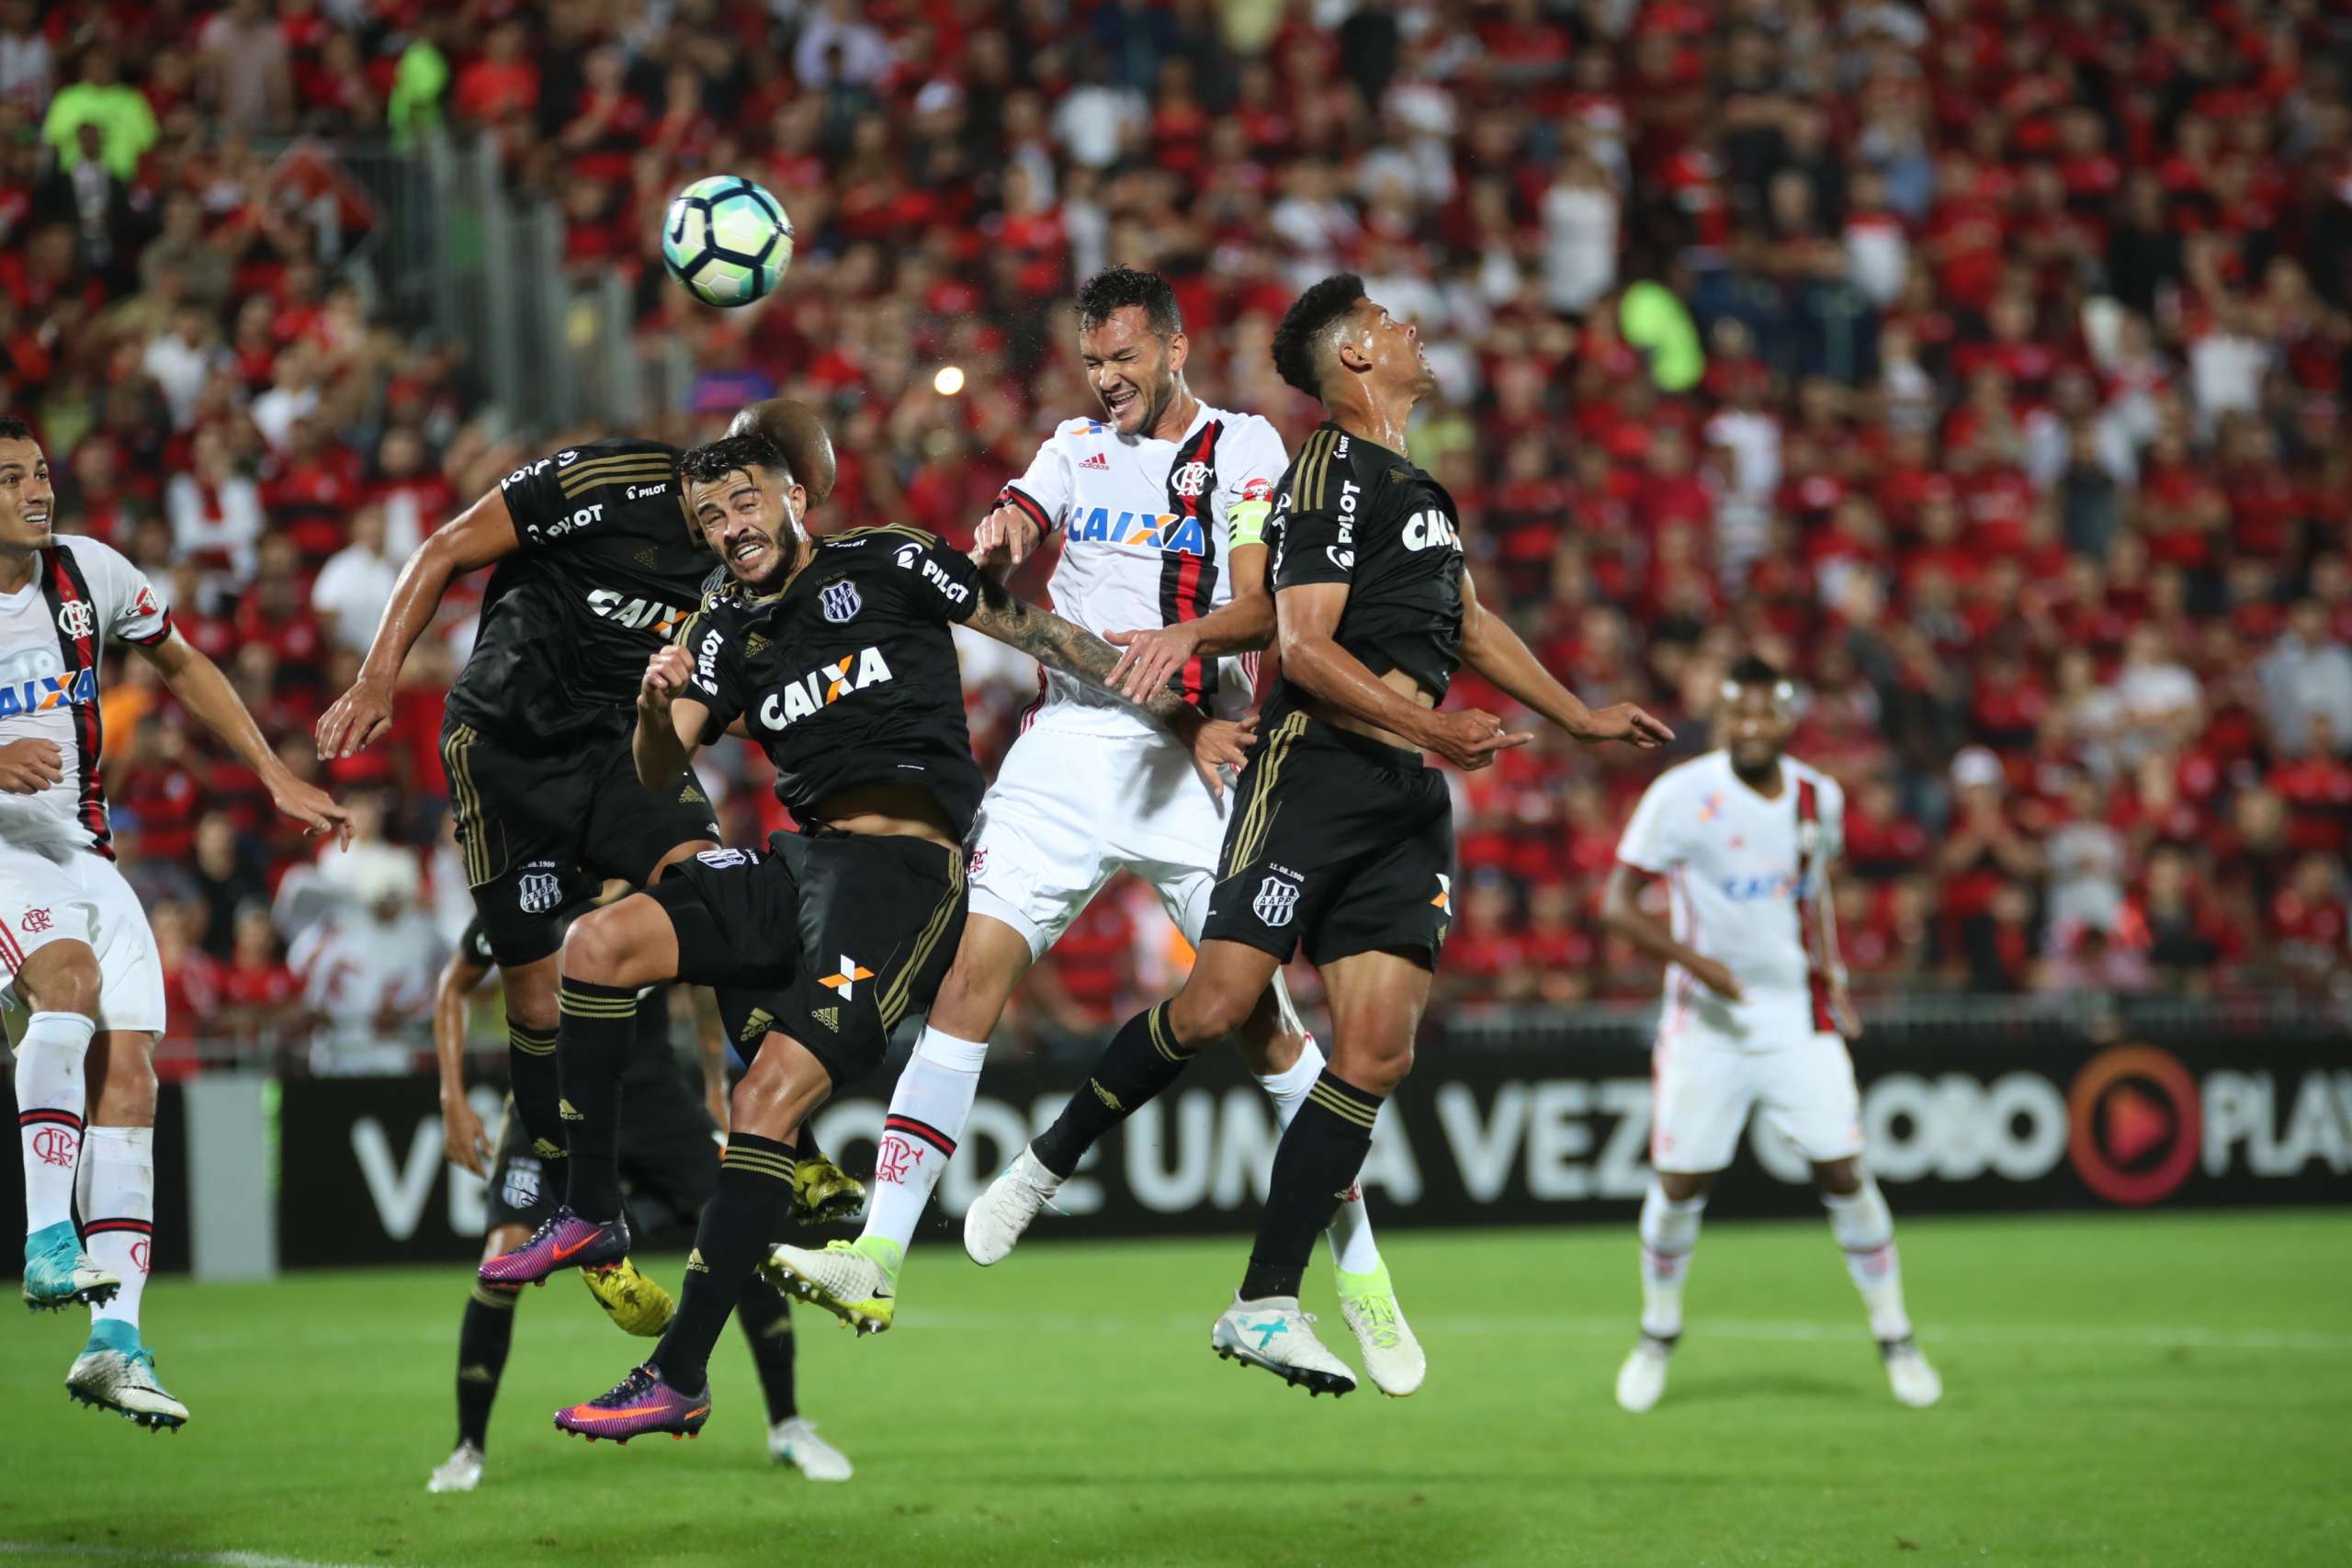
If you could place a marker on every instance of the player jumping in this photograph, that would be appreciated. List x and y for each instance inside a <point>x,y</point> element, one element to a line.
<point>1756,1012</point>
<point>1340,838</point>
<point>596,567</point>
<point>74,945</point>
<point>1189,487</point>
<point>669,1149</point>
<point>836,654</point>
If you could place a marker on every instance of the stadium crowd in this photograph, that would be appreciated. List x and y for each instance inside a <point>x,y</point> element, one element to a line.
<point>1980,362</point>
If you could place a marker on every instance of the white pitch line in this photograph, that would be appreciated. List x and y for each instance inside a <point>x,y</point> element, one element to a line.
<point>136,1554</point>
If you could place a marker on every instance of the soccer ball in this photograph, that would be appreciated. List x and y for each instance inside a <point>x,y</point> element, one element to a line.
<point>727,240</point>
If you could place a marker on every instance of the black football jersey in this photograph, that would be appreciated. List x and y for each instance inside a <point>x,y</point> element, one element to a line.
<point>652,1056</point>
<point>849,675</point>
<point>1350,511</point>
<point>608,571</point>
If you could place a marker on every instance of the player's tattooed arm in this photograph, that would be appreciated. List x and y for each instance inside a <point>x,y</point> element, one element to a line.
<point>670,718</point>
<point>1490,647</point>
<point>1072,649</point>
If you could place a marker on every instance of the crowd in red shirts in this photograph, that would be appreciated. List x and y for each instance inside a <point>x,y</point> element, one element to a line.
<point>1980,362</point>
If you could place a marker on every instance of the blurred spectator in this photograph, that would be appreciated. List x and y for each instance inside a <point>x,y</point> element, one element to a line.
<point>229,877</point>
<point>28,69</point>
<point>248,80</point>
<point>355,584</point>
<point>126,125</point>
<point>2307,674</point>
<point>367,971</point>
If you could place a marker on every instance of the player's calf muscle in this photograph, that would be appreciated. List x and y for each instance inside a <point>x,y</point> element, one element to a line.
<point>121,1074</point>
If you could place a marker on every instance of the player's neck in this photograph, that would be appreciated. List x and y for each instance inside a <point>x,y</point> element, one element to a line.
<point>1177,417</point>
<point>1765,783</point>
<point>1373,420</point>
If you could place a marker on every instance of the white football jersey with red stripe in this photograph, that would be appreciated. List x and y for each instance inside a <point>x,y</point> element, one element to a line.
<point>53,633</point>
<point>1742,872</point>
<point>1147,531</point>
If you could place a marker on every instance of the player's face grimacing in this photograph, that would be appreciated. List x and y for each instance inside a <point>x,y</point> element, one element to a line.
<point>1755,723</point>
<point>1132,368</point>
<point>1395,349</point>
<point>26,498</point>
<point>751,520</point>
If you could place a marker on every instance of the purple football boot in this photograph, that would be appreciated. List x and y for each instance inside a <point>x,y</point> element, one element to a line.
<point>563,1240</point>
<point>639,1403</point>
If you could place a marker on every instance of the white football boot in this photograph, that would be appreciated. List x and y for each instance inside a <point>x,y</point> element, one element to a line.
<point>1274,1335</point>
<point>1915,1383</point>
<point>462,1471</point>
<point>998,1217</point>
<point>795,1442</point>
<point>1642,1380</point>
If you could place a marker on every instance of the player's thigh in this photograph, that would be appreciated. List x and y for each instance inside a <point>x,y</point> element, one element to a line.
<point>878,922</point>
<point>730,916</point>
<point>1376,1000</point>
<point>636,942</point>
<point>514,815</point>
<point>786,1084</point>
<point>49,937</point>
<point>1396,894</point>
<point>1040,854</point>
<point>1805,1091</point>
<point>1702,1091</point>
<point>633,830</point>
<point>130,968</point>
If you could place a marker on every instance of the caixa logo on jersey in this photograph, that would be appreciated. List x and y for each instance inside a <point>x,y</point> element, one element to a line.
<point>1152,530</point>
<point>44,692</point>
<point>820,689</point>
<point>638,614</point>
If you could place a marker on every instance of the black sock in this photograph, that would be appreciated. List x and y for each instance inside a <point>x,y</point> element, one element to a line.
<point>599,1032</point>
<point>539,1095</point>
<point>766,1318</point>
<point>1315,1162</point>
<point>1143,1058</point>
<point>741,1222</point>
<point>482,1341</point>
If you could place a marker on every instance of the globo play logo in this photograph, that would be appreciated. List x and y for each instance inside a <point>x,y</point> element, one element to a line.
<point>2136,1124</point>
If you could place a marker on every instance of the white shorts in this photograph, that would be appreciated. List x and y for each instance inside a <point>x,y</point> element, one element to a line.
<point>1705,1083</point>
<point>1069,809</point>
<point>65,892</point>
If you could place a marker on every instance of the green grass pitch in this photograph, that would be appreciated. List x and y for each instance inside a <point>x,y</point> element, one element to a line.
<point>2120,1390</point>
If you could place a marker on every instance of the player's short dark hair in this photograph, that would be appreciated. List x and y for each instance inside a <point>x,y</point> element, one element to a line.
<point>1302,325</point>
<point>1753,670</point>
<point>15,429</point>
<point>1115,287</point>
<point>733,454</point>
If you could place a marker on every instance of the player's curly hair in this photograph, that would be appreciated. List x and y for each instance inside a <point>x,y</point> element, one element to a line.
<point>15,429</point>
<point>731,454</point>
<point>1297,340</point>
<point>1115,287</point>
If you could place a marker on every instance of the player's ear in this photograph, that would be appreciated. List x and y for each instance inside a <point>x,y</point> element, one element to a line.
<point>1179,348</point>
<point>796,500</point>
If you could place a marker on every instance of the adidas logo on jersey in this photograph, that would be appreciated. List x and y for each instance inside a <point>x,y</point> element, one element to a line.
<point>830,1017</point>
<point>1097,461</point>
<point>820,689</point>
<point>754,1027</point>
<point>648,557</point>
<point>46,691</point>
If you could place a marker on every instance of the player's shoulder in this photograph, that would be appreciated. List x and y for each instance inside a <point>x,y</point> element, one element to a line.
<point>1250,434</point>
<point>875,542</point>
<point>94,557</point>
<point>635,466</point>
<point>1071,436</point>
<point>1832,792</point>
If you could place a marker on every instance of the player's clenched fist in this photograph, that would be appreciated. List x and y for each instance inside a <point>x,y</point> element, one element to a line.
<point>665,677</point>
<point>30,765</point>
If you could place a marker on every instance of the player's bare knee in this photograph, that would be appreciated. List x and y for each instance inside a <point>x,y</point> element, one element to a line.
<point>63,977</point>
<point>1201,1015</point>
<point>597,948</point>
<point>1839,1178</point>
<point>970,1000</point>
<point>119,1073</point>
<point>1376,1066</point>
<point>1681,1186</point>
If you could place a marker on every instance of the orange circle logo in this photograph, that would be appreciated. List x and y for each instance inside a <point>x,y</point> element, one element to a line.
<point>2137,1123</point>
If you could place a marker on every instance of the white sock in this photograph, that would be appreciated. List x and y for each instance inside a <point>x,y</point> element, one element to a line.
<point>1349,1232</point>
<point>50,1105</point>
<point>928,1110</point>
<point>1670,1229</point>
<point>119,1213</point>
<point>1864,1229</point>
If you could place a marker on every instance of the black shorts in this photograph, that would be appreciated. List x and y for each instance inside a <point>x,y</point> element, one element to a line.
<point>528,827</point>
<point>669,1153</point>
<point>1336,842</point>
<point>835,936</point>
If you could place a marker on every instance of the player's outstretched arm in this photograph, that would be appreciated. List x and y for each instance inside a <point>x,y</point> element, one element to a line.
<point>1312,657</point>
<point>1072,649</point>
<point>1621,913</point>
<point>670,718</point>
<point>479,534</point>
<point>463,1138</point>
<point>202,689</point>
<point>1494,651</point>
<point>1244,623</point>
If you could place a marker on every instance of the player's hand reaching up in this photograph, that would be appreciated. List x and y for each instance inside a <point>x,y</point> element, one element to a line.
<point>665,677</point>
<point>1469,738</point>
<point>1152,657</point>
<point>30,765</point>
<point>1623,721</point>
<point>1217,744</point>
<point>314,808</point>
<point>354,721</point>
<point>1005,538</point>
